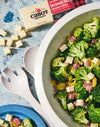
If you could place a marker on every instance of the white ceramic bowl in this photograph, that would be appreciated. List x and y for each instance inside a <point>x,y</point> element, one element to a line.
<point>54,38</point>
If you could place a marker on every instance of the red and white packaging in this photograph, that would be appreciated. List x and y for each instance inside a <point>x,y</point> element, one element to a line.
<point>58,6</point>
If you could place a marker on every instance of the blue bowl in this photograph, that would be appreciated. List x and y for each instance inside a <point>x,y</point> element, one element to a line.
<point>22,112</point>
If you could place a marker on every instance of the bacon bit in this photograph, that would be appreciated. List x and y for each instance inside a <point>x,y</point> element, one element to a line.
<point>88,125</point>
<point>71,95</point>
<point>76,66</point>
<point>88,86</point>
<point>75,104</point>
<point>16,121</point>
<point>87,63</point>
<point>72,39</point>
<point>93,41</point>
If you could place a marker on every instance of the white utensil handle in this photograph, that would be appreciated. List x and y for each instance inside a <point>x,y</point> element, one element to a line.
<point>37,107</point>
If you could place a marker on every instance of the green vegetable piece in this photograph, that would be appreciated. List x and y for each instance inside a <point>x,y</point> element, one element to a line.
<point>94,114</point>
<point>91,51</point>
<point>62,97</point>
<point>92,27</point>
<point>78,50</point>
<point>60,75</point>
<point>81,73</point>
<point>27,123</point>
<point>79,115</point>
<point>97,44</point>
<point>78,33</point>
<point>80,90</point>
<point>89,99</point>
<point>96,71</point>
<point>58,62</point>
<point>96,93</point>
<point>87,36</point>
<point>5,124</point>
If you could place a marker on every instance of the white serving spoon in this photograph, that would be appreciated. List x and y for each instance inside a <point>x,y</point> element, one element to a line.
<point>16,82</point>
<point>29,59</point>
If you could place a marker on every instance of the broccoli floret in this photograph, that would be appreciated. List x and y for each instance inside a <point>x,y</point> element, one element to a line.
<point>78,50</point>
<point>97,46</point>
<point>93,27</point>
<point>59,69</point>
<point>5,124</point>
<point>81,73</point>
<point>78,61</point>
<point>87,36</point>
<point>94,114</point>
<point>80,90</point>
<point>60,74</point>
<point>62,97</point>
<point>91,51</point>
<point>58,62</point>
<point>96,71</point>
<point>79,115</point>
<point>96,94</point>
<point>78,33</point>
<point>27,123</point>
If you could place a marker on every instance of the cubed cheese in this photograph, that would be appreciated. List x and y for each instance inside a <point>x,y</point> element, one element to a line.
<point>2,42</point>
<point>19,43</point>
<point>8,117</point>
<point>7,51</point>
<point>3,33</point>
<point>22,34</point>
<point>9,42</point>
<point>70,106</point>
<point>95,60</point>
<point>70,89</point>
<point>15,37</point>
<point>90,76</point>
<point>63,47</point>
<point>94,125</point>
<point>69,60</point>
<point>79,102</point>
<point>1,121</point>
<point>18,28</point>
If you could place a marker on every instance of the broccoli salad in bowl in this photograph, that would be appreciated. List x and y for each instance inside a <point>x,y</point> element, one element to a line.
<point>75,74</point>
<point>13,121</point>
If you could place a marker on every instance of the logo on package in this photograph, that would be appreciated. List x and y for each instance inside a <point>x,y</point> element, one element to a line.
<point>39,13</point>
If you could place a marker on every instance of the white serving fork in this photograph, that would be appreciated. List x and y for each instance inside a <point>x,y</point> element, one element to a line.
<point>17,83</point>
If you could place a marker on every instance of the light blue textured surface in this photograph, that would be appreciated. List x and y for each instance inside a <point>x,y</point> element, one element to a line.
<point>16,59</point>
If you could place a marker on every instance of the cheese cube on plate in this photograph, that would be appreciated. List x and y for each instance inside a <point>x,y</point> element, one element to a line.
<point>7,51</point>
<point>70,106</point>
<point>8,117</point>
<point>9,42</point>
<point>95,60</point>
<point>79,102</point>
<point>18,28</point>
<point>1,121</point>
<point>90,76</point>
<point>70,88</point>
<point>63,47</point>
<point>19,43</point>
<point>69,60</point>
<point>22,34</point>
<point>94,125</point>
<point>2,42</point>
<point>15,37</point>
<point>3,33</point>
